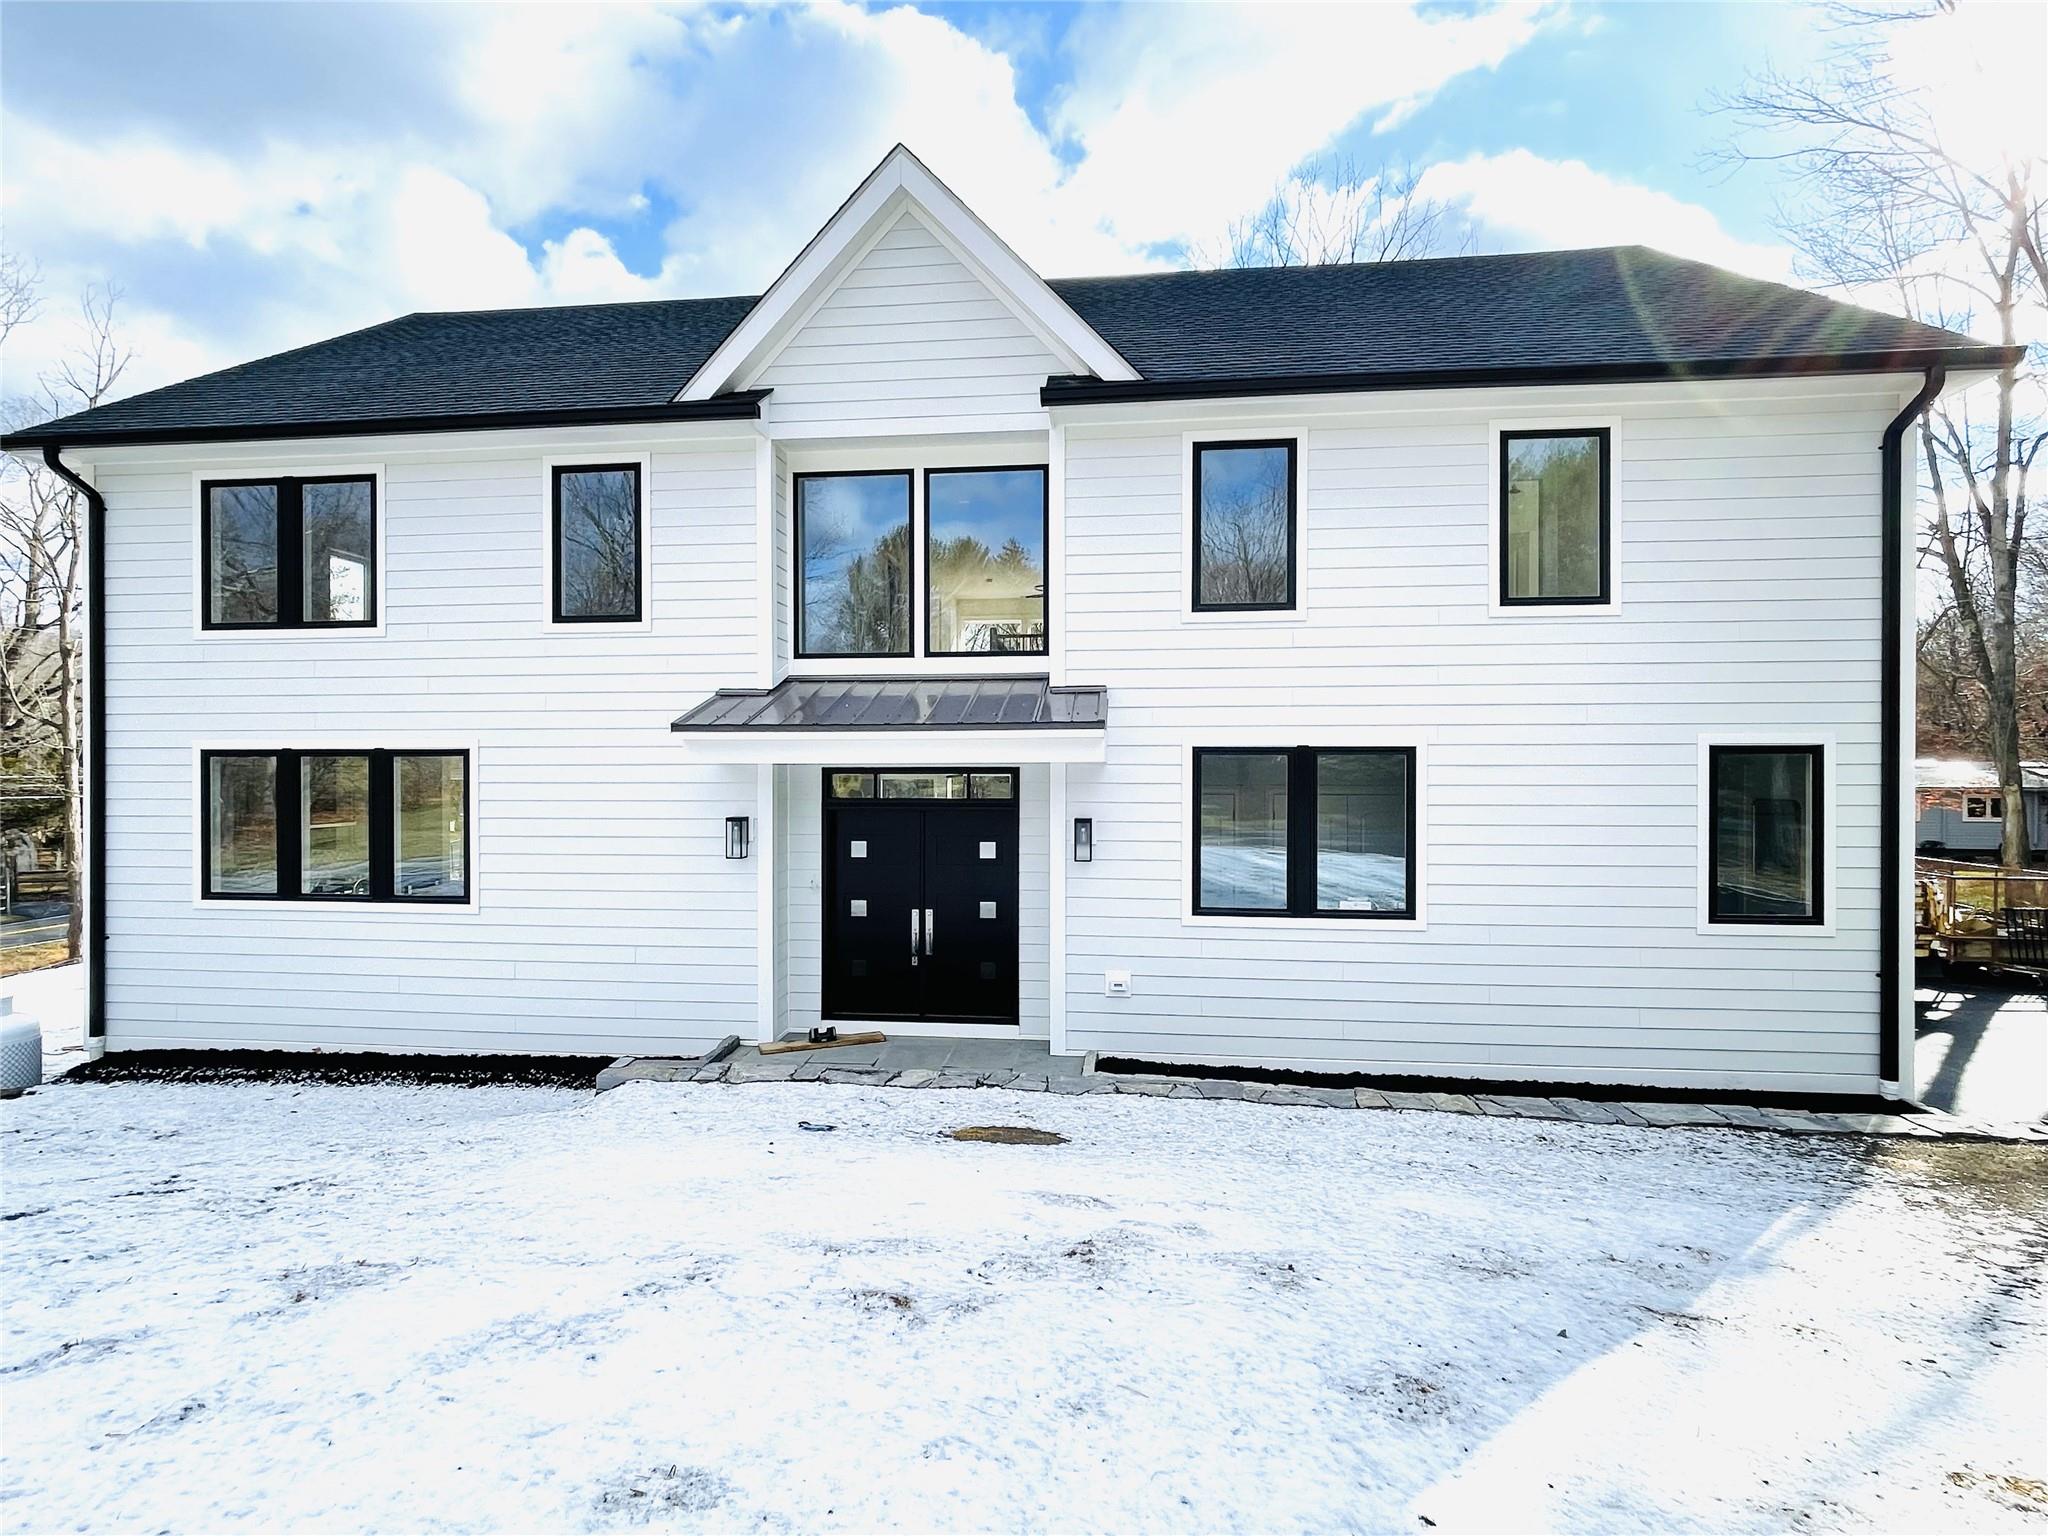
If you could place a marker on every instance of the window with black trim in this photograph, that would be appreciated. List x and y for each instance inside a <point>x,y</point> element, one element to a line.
<point>1556,518</point>
<point>335,825</point>
<point>1764,834</point>
<point>1304,832</point>
<point>290,553</point>
<point>985,536</point>
<point>1244,514</point>
<point>599,543</point>
<point>853,563</point>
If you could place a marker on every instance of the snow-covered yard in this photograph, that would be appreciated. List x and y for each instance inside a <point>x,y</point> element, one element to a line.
<point>276,1307</point>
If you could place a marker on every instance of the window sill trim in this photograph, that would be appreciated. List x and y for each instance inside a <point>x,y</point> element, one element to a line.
<point>1271,616</point>
<point>598,626</point>
<point>1352,925</point>
<point>331,632</point>
<point>330,906</point>
<point>1496,609</point>
<point>1767,930</point>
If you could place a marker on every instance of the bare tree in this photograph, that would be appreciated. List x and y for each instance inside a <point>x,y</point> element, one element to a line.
<point>1340,211</point>
<point>42,723</point>
<point>1886,205</point>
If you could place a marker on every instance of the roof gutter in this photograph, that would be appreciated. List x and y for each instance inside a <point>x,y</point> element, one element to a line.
<point>1078,391</point>
<point>93,887</point>
<point>741,405</point>
<point>1893,877</point>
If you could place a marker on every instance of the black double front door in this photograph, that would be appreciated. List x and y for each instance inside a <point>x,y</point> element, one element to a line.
<point>920,905</point>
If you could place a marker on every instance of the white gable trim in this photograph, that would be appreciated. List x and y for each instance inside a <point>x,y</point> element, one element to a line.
<point>899,183</point>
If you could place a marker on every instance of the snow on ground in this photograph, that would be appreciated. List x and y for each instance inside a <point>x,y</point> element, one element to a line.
<point>239,1306</point>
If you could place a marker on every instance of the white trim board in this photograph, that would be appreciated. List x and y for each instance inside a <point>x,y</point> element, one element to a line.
<point>645,623</point>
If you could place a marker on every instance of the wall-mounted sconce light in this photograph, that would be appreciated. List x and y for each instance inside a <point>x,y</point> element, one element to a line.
<point>1084,839</point>
<point>735,837</point>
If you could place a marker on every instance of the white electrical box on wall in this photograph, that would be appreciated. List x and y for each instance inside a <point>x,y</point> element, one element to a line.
<point>1116,983</point>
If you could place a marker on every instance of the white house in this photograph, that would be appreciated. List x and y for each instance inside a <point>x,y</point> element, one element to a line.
<point>1485,667</point>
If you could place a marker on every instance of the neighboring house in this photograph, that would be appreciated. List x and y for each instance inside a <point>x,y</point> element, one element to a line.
<point>1962,812</point>
<point>1485,666</point>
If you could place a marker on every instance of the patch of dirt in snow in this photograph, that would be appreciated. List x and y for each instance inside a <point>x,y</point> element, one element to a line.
<point>410,1307</point>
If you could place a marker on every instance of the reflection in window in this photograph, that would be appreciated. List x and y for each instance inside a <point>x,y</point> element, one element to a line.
<point>334,825</point>
<point>1553,544</point>
<point>1244,525</point>
<point>853,538</point>
<point>1242,852</point>
<point>1765,834</point>
<point>597,543</point>
<point>241,562</point>
<point>241,810</point>
<point>993,786</point>
<point>853,786</point>
<point>986,547</point>
<point>1362,831</point>
<point>428,816</point>
<point>335,515</point>
<point>923,786</point>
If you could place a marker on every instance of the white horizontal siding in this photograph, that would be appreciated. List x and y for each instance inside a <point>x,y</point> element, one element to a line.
<point>1562,808</point>
<point>608,919</point>
<point>909,340</point>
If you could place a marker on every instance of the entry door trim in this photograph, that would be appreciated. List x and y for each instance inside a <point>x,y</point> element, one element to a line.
<point>987,1025</point>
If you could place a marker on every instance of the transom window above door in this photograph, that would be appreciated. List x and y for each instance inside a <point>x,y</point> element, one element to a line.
<point>884,572</point>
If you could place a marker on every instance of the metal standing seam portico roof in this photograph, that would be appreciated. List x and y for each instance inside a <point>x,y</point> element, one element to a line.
<point>890,704</point>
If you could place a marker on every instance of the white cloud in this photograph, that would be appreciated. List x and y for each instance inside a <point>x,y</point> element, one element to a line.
<point>752,124</point>
<point>1523,201</point>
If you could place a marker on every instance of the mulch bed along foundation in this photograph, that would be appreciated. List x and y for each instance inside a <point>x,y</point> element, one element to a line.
<point>338,1067</point>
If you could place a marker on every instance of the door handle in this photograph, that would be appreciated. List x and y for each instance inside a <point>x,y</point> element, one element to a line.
<point>913,935</point>
<point>930,928</point>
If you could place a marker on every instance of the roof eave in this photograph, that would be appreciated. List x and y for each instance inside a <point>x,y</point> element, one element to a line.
<point>744,406</point>
<point>1077,391</point>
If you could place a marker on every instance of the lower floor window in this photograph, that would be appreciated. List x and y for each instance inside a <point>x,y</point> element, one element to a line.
<point>1305,831</point>
<point>1764,843</point>
<point>336,825</point>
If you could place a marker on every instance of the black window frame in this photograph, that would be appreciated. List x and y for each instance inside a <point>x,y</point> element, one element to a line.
<point>1604,598</point>
<point>796,561</point>
<point>291,555</point>
<point>1293,447</point>
<point>555,472</point>
<point>1301,834</point>
<point>1818,918</point>
<point>382,832</point>
<point>924,549</point>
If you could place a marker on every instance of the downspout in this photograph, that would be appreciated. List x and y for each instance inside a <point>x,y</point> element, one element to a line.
<point>95,925</point>
<point>1894,880</point>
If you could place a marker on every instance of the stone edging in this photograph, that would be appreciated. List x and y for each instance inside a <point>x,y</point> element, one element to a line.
<point>1928,1125</point>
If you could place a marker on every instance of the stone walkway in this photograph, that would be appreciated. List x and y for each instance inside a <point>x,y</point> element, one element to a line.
<point>1027,1066</point>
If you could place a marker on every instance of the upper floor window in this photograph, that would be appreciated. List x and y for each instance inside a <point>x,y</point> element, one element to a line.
<point>985,532</point>
<point>1305,832</point>
<point>853,564</point>
<point>290,553</point>
<point>599,544</point>
<point>1244,515</point>
<point>1555,518</point>
<point>1764,834</point>
<point>341,825</point>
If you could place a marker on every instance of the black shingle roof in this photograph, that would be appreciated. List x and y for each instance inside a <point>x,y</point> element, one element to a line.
<point>1623,312</point>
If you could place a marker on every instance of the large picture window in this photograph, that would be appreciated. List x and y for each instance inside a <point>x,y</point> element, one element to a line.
<point>1555,518</point>
<point>290,553</point>
<point>1764,834</point>
<point>985,535</point>
<point>853,564</point>
<point>1243,497</point>
<point>335,825</point>
<point>599,543</point>
<point>1305,832</point>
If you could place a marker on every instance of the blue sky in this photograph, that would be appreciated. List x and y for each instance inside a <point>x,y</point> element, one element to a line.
<point>258,176</point>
